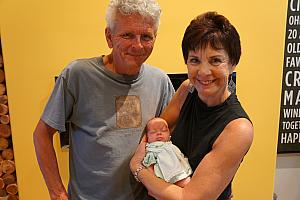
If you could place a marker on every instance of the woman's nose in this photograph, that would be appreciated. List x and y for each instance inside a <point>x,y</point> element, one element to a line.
<point>203,69</point>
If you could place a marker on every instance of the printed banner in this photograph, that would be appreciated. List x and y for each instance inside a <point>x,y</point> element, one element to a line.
<point>289,125</point>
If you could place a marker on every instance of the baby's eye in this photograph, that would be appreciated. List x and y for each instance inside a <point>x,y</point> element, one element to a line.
<point>151,132</point>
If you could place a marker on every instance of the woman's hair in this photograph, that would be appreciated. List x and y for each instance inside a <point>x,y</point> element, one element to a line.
<point>215,30</point>
<point>146,8</point>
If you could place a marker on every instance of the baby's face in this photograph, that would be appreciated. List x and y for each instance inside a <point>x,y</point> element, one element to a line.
<point>158,131</point>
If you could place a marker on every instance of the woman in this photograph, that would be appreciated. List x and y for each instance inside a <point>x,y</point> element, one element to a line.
<point>212,129</point>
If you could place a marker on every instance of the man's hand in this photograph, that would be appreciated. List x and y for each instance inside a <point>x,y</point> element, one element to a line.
<point>64,197</point>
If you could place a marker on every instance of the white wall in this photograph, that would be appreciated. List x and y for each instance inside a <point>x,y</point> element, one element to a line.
<point>287,178</point>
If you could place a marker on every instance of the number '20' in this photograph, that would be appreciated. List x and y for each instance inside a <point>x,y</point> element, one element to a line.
<point>292,34</point>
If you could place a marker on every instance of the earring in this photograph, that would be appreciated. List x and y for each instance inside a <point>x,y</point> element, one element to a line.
<point>231,85</point>
<point>191,88</point>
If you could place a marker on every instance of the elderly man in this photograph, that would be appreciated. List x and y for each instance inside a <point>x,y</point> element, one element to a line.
<point>107,100</point>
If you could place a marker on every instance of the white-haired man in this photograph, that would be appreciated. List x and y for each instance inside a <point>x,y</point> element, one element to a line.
<point>108,101</point>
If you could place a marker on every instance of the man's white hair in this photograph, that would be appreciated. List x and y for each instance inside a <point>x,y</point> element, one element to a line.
<point>146,8</point>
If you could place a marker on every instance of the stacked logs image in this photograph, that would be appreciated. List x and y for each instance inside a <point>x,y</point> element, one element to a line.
<point>8,180</point>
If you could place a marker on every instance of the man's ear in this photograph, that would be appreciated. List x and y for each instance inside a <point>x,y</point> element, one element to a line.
<point>108,37</point>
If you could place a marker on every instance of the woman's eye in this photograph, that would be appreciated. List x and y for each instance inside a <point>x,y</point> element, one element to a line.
<point>193,61</point>
<point>216,61</point>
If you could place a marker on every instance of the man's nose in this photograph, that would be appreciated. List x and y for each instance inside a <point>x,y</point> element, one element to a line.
<point>137,42</point>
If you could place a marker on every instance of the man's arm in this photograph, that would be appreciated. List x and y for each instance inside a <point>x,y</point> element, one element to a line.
<point>43,142</point>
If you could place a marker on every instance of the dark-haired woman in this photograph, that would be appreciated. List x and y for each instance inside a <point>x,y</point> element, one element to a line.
<point>210,126</point>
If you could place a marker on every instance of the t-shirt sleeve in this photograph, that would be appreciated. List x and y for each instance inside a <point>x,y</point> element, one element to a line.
<point>59,106</point>
<point>170,92</point>
<point>167,94</point>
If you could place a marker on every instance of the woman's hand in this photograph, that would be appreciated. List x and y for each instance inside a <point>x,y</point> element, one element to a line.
<point>136,160</point>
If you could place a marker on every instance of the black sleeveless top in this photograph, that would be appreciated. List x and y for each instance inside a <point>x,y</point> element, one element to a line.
<point>198,127</point>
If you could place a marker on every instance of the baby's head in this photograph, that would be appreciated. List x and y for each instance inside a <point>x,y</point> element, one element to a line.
<point>157,130</point>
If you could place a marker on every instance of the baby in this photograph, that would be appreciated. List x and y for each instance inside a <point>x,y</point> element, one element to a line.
<point>165,158</point>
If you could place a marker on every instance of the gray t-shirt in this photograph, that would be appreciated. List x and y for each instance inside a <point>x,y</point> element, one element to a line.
<point>107,114</point>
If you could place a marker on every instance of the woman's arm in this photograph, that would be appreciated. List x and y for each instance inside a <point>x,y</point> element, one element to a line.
<point>213,174</point>
<point>171,113</point>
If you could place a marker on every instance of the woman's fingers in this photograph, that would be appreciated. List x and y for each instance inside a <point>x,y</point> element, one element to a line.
<point>136,160</point>
<point>144,138</point>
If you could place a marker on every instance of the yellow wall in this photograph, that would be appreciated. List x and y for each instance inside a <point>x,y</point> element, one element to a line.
<point>40,37</point>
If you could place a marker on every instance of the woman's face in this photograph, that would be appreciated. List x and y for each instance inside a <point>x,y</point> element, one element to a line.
<point>208,71</point>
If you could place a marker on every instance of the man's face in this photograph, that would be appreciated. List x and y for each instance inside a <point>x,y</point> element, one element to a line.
<point>132,40</point>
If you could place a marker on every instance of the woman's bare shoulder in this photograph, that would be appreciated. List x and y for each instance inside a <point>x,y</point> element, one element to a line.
<point>238,132</point>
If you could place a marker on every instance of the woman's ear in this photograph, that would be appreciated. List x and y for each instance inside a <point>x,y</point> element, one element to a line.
<point>108,37</point>
<point>231,69</point>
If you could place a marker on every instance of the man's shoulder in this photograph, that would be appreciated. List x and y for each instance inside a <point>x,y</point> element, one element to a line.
<point>80,66</point>
<point>154,70</point>
<point>83,63</point>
